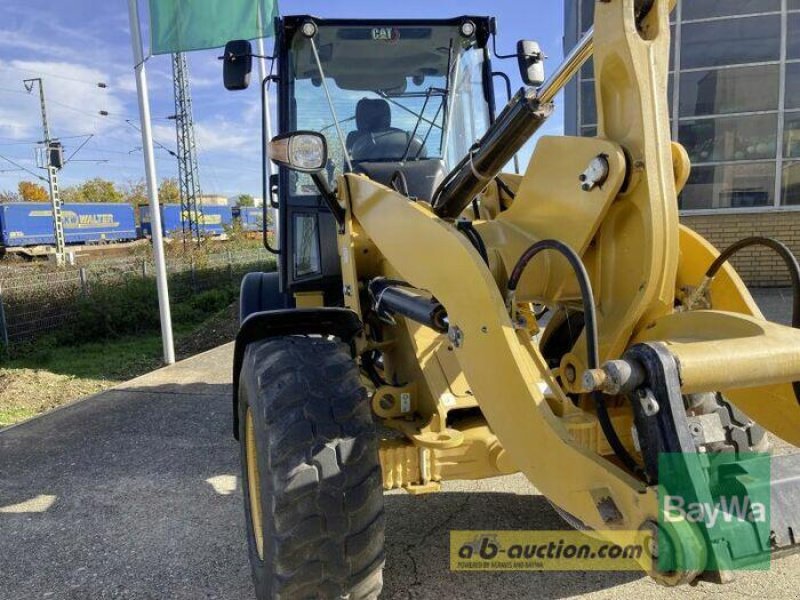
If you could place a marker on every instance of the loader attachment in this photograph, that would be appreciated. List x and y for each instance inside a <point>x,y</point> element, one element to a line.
<point>743,502</point>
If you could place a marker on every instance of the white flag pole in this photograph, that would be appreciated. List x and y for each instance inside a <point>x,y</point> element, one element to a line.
<point>152,184</point>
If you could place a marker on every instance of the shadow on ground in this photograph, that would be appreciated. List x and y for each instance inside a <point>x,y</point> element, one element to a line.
<point>134,493</point>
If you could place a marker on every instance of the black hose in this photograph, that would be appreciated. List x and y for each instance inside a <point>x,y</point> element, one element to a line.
<point>791,264</point>
<point>504,186</point>
<point>590,327</point>
<point>468,229</point>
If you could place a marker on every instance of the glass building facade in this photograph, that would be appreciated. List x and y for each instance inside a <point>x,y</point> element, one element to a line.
<point>734,100</point>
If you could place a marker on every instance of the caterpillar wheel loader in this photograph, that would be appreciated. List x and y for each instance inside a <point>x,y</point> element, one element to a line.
<point>434,318</point>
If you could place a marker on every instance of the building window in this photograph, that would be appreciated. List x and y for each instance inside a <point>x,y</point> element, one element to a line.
<point>793,36</point>
<point>707,9</point>
<point>723,91</point>
<point>730,186</point>
<point>731,64</point>
<point>730,138</point>
<point>791,135</point>
<point>588,103</point>
<point>791,184</point>
<point>730,42</point>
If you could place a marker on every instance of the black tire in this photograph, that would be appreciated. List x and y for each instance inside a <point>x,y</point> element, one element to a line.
<point>260,292</point>
<point>316,455</point>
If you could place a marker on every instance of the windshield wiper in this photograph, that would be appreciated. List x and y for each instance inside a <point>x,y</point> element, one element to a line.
<point>420,117</point>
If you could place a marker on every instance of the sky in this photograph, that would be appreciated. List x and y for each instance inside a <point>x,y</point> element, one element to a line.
<point>75,44</point>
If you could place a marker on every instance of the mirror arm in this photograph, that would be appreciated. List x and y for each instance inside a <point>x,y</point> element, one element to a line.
<point>500,56</point>
<point>329,197</point>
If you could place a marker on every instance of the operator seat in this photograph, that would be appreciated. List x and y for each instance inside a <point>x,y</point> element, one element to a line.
<point>375,139</point>
<point>377,149</point>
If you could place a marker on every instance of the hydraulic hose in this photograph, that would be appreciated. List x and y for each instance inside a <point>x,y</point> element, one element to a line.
<point>590,327</point>
<point>468,229</point>
<point>791,264</point>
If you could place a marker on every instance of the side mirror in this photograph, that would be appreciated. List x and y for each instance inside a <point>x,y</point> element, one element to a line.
<point>531,62</point>
<point>238,62</point>
<point>303,151</point>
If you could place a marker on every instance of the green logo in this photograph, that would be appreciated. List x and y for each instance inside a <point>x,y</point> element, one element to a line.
<point>714,511</point>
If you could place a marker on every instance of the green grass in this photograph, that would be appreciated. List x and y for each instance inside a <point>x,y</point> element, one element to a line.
<point>117,359</point>
<point>10,416</point>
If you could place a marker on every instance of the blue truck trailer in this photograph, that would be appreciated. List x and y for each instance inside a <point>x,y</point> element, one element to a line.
<point>212,220</point>
<point>250,217</point>
<point>31,223</point>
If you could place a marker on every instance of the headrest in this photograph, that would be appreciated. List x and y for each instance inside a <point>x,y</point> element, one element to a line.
<point>373,115</point>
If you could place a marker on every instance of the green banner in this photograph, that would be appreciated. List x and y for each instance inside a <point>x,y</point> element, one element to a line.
<point>183,25</point>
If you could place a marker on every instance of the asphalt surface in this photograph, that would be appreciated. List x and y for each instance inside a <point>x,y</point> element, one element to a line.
<point>134,493</point>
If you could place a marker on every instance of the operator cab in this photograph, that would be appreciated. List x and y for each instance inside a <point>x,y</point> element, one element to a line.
<point>407,101</point>
<point>400,101</point>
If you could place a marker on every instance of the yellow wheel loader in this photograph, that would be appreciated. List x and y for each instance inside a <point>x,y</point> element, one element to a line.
<point>434,318</point>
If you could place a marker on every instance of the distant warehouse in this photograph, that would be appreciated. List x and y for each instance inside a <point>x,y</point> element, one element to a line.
<point>734,92</point>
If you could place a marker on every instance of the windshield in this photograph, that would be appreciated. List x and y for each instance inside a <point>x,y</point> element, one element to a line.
<point>400,94</point>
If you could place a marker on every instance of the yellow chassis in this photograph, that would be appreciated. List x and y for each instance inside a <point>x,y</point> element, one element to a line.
<point>643,266</point>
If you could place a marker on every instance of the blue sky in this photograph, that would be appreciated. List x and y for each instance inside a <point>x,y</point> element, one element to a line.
<point>74,44</point>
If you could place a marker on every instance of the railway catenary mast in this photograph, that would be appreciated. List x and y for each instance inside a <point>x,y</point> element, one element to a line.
<point>188,172</point>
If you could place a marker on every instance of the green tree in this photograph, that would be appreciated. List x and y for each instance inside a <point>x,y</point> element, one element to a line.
<point>92,190</point>
<point>245,200</point>
<point>32,192</point>
<point>168,192</point>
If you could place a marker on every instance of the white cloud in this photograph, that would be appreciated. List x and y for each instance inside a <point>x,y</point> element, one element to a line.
<point>73,99</point>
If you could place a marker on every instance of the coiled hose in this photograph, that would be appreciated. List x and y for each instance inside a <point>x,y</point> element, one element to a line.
<point>590,327</point>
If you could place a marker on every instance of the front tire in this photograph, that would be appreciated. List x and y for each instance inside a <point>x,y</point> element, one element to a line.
<point>311,478</point>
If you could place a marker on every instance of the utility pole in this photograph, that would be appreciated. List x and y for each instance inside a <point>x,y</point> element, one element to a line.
<point>188,172</point>
<point>53,162</point>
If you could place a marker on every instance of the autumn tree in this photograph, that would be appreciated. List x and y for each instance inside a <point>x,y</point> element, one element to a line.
<point>135,193</point>
<point>168,191</point>
<point>32,192</point>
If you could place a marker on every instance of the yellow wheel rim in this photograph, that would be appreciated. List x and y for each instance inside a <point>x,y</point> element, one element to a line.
<point>253,483</point>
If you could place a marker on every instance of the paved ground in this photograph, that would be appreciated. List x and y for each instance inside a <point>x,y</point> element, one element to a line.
<point>135,494</point>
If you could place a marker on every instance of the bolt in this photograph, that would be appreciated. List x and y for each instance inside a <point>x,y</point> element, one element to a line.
<point>648,402</point>
<point>593,379</point>
<point>484,329</point>
<point>455,335</point>
<point>570,374</point>
<point>387,402</point>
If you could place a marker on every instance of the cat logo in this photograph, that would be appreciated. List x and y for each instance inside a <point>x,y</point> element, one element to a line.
<point>385,34</point>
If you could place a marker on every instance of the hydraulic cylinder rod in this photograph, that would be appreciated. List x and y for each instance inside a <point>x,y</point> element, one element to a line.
<point>391,298</point>
<point>520,119</point>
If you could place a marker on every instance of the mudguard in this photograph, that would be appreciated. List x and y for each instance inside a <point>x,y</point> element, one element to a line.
<point>339,322</point>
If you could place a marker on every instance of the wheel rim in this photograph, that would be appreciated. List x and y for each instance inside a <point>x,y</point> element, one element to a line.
<point>253,483</point>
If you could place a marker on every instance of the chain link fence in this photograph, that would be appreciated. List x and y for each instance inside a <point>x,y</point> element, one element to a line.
<point>37,299</point>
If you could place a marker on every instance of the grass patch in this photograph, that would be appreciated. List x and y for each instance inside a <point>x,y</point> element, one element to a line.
<point>49,374</point>
<point>15,415</point>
